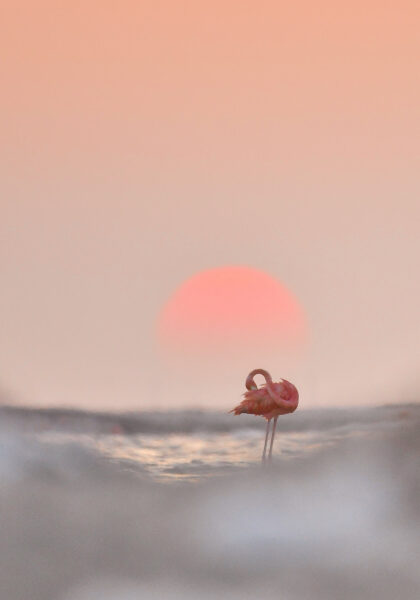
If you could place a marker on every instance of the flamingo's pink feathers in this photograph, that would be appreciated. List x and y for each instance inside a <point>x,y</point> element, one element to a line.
<point>270,400</point>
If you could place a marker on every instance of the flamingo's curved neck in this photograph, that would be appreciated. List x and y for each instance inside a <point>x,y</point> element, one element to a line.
<point>250,383</point>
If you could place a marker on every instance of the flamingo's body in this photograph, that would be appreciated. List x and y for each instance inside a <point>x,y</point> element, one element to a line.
<point>269,401</point>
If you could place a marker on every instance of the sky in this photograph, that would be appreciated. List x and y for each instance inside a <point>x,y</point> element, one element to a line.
<point>143,142</point>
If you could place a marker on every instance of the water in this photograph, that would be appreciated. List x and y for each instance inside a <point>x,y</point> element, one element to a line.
<point>177,505</point>
<point>197,456</point>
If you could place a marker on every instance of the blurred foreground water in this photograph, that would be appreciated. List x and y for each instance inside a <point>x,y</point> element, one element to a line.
<point>176,505</point>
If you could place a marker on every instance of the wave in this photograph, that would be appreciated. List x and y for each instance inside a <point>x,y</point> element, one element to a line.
<point>196,421</point>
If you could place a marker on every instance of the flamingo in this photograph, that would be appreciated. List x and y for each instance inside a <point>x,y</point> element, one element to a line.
<point>269,401</point>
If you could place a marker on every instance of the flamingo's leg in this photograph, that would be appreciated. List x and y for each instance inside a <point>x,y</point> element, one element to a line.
<point>266,440</point>
<point>272,439</point>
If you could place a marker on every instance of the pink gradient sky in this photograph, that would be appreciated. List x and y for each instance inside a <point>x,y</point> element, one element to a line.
<point>144,141</point>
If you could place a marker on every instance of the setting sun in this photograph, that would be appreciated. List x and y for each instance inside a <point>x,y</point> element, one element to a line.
<point>228,308</point>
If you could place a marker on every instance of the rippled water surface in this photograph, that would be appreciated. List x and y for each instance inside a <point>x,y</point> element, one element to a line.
<point>175,457</point>
<point>176,505</point>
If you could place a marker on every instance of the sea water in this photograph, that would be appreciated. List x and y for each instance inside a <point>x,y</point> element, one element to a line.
<point>178,505</point>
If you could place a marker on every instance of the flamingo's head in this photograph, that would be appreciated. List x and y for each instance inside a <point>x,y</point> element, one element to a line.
<point>250,383</point>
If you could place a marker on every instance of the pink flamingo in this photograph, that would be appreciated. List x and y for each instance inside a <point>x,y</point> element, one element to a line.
<point>269,401</point>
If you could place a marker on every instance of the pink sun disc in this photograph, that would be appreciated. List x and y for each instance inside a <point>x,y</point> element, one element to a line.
<point>230,308</point>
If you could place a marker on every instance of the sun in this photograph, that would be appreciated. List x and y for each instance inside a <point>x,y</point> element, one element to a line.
<point>228,310</point>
